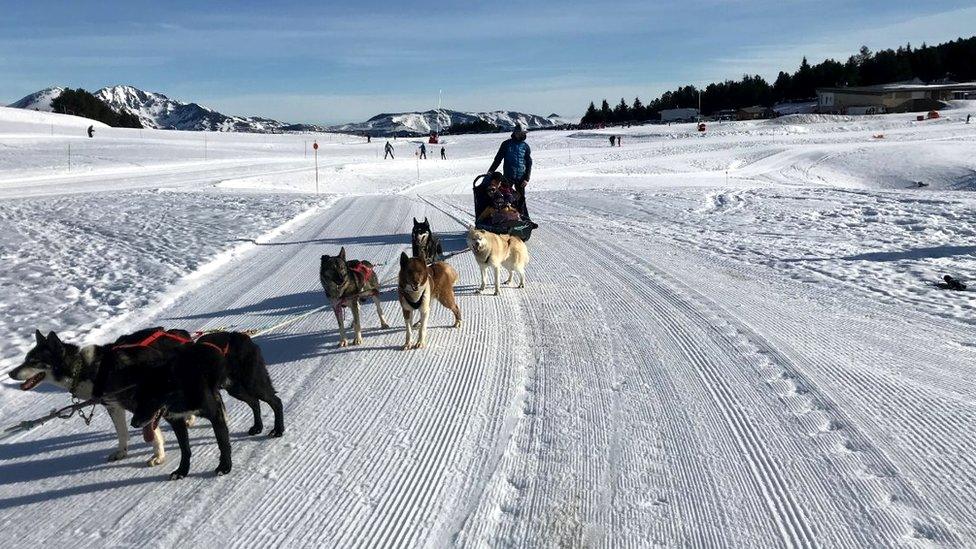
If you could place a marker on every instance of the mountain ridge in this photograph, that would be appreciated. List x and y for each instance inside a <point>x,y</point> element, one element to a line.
<point>156,110</point>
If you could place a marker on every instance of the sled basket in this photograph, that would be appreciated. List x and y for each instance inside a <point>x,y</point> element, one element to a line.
<point>521,228</point>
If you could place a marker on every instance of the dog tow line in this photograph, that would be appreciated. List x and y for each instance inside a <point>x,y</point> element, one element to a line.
<point>59,413</point>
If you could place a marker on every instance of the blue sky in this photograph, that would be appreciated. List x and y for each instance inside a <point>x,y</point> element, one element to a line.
<point>336,62</point>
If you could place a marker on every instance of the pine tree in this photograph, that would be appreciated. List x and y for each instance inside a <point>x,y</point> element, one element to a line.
<point>606,115</point>
<point>591,116</point>
<point>621,113</point>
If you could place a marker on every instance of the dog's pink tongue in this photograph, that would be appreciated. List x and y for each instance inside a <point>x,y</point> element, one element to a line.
<point>32,382</point>
<point>148,429</point>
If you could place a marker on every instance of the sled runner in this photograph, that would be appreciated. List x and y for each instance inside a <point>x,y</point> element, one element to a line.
<point>521,228</point>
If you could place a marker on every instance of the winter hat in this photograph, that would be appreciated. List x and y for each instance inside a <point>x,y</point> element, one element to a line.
<point>518,132</point>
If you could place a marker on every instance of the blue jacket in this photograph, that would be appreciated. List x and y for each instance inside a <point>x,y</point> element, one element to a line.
<point>518,160</point>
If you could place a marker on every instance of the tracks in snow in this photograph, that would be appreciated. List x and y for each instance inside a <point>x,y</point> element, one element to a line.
<point>609,403</point>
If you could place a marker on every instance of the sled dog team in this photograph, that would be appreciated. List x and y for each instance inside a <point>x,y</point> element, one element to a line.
<point>421,279</point>
<point>166,375</point>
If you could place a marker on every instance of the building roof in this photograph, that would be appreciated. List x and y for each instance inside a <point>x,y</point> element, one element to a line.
<point>901,87</point>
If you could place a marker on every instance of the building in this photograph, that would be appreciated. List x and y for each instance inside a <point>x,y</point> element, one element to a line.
<point>679,115</point>
<point>913,96</point>
<point>756,112</point>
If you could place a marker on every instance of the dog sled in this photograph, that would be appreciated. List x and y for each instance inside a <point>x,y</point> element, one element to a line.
<point>521,228</point>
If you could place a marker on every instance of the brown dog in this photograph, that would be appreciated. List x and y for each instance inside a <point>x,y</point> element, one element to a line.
<point>418,284</point>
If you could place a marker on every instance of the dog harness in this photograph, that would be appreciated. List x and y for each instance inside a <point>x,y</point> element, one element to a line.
<point>223,351</point>
<point>364,270</point>
<point>155,336</point>
<point>152,338</point>
<point>413,304</point>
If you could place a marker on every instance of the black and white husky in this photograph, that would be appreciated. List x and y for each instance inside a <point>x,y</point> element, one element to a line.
<point>113,373</point>
<point>424,242</point>
<point>84,372</point>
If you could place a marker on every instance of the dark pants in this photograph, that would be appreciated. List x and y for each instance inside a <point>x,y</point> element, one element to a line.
<point>423,154</point>
<point>388,154</point>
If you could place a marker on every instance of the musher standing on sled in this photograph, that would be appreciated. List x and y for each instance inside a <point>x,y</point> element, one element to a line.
<point>518,162</point>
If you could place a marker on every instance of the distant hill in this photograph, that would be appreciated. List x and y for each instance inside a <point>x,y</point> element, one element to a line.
<point>422,123</point>
<point>39,101</point>
<point>155,110</point>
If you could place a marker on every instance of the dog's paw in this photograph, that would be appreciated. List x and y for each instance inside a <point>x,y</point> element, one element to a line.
<point>343,343</point>
<point>457,323</point>
<point>276,433</point>
<point>177,475</point>
<point>117,455</point>
<point>255,430</point>
<point>155,460</point>
<point>407,347</point>
<point>420,345</point>
<point>358,340</point>
<point>384,325</point>
<point>222,469</point>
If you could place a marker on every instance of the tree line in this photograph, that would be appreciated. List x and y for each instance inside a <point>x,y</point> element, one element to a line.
<point>954,60</point>
<point>83,103</point>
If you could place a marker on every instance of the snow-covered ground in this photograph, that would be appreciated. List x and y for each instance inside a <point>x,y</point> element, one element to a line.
<point>729,339</point>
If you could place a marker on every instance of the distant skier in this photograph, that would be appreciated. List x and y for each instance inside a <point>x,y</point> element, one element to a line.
<point>91,131</point>
<point>423,151</point>
<point>443,154</point>
<point>518,163</point>
<point>369,138</point>
<point>618,140</point>
<point>613,139</point>
<point>968,116</point>
<point>389,151</point>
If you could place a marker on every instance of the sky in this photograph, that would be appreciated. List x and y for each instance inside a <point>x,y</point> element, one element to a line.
<point>332,62</point>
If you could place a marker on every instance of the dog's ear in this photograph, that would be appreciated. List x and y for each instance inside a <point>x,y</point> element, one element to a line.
<point>342,253</point>
<point>415,221</point>
<point>426,222</point>
<point>39,337</point>
<point>54,342</point>
<point>404,260</point>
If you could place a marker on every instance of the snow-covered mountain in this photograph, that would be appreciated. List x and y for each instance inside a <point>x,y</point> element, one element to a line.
<point>39,101</point>
<point>155,110</point>
<point>421,123</point>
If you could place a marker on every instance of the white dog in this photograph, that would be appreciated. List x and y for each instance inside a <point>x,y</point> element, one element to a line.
<point>497,251</point>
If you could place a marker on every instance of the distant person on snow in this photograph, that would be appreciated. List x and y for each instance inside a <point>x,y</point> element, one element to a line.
<point>968,116</point>
<point>953,284</point>
<point>91,131</point>
<point>443,154</point>
<point>517,155</point>
<point>612,140</point>
<point>369,138</point>
<point>389,151</point>
<point>618,140</point>
<point>423,151</point>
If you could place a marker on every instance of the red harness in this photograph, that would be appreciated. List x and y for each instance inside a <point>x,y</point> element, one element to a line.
<point>223,351</point>
<point>364,270</point>
<point>152,339</point>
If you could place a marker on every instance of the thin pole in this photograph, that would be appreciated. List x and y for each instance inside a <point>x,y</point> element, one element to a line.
<point>316,171</point>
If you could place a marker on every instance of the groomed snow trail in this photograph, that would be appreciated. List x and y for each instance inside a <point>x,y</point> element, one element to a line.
<point>612,402</point>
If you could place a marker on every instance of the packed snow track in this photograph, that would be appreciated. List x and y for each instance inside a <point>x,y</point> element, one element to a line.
<point>698,363</point>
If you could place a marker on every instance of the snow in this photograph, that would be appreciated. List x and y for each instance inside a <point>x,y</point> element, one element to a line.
<point>728,339</point>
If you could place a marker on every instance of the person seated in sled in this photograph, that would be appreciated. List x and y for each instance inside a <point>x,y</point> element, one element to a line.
<point>517,156</point>
<point>504,199</point>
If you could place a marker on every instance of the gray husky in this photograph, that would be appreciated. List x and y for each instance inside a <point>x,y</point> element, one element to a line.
<point>345,283</point>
